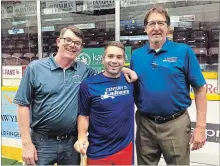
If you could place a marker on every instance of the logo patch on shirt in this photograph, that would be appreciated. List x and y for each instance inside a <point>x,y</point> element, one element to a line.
<point>77,79</point>
<point>170,59</point>
<point>113,92</point>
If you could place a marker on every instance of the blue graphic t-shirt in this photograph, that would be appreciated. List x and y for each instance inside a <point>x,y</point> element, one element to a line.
<point>109,103</point>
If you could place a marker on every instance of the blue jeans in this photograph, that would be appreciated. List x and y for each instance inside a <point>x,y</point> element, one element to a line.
<point>51,150</point>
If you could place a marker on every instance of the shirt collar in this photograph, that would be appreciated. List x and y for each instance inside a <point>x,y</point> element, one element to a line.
<point>54,65</point>
<point>164,47</point>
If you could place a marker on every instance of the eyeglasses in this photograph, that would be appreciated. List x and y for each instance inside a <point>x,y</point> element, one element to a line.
<point>152,24</point>
<point>69,41</point>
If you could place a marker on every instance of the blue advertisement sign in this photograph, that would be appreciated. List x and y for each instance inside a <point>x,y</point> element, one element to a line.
<point>9,116</point>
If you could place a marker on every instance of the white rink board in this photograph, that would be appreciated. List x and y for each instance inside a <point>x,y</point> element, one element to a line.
<point>208,155</point>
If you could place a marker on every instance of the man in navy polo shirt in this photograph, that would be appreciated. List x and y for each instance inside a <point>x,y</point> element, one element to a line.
<point>166,70</point>
<point>106,112</point>
<point>47,101</point>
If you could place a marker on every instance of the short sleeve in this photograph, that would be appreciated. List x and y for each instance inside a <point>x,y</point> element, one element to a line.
<point>132,62</point>
<point>192,70</point>
<point>24,95</point>
<point>83,100</point>
<point>90,71</point>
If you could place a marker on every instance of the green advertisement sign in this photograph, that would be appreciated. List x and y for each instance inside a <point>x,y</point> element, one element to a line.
<point>93,57</point>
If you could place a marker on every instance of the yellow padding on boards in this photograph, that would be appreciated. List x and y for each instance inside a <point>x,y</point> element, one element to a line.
<point>16,153</point>
<point>10,88</point>
<point>12,153</point>
<point>210,75</point>
<point>207,75</point>
<point>210,97</point>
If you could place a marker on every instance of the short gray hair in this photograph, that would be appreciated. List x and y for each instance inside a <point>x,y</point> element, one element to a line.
<point>74,29</point>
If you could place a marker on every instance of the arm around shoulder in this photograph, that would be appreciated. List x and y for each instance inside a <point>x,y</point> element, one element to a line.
<point>129,74</point>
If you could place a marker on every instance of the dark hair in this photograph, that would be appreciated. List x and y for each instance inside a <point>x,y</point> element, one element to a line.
<point>157,10</point>
<point>116,44</point>
<point>74,29</point>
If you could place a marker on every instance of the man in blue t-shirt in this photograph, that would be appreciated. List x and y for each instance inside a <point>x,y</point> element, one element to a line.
<point>166,70</point>
<point>106,112</point>
<point>47,100</point>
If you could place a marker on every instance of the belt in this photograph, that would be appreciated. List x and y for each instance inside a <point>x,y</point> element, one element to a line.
<point>62,137</point>
<point>58,138</point>
<point>161,119</point>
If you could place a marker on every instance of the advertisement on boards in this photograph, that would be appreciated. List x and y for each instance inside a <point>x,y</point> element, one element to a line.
<point>11,71</point>
<point>212,132</point>
<point>9,116</point>
<point>211,86</point>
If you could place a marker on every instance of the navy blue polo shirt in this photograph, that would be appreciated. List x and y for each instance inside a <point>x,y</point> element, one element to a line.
<point>52,95</point>
<point>109,103</point>
<point>165,77</point>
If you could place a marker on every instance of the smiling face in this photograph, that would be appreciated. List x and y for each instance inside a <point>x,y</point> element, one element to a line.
<point>113,61</point>
<point>69,45</point>
<point>156,28</point>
